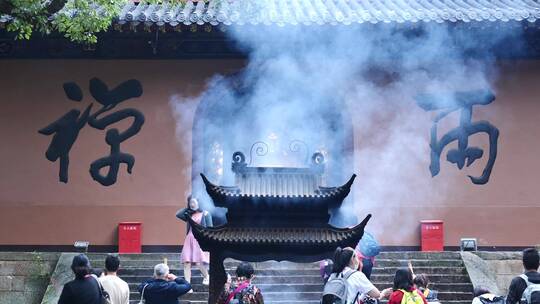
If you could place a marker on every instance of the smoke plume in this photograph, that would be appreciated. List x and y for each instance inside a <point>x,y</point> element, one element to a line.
<point>347,91</point>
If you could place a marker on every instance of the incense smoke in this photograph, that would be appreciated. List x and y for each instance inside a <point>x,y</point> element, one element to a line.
<point>312,83</point>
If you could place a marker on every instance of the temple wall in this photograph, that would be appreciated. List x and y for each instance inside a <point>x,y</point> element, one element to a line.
<point>36,209</point>
<point>503,212</point>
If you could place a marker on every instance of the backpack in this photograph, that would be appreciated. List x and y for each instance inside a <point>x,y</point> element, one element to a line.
<point>325,268</point>
<point>430,295</point>
<point>335,290</point>
<point>494,300</point>
<point>531,295</point>
<point>243,294</point>
<point>368,246</point>
<point>411,297</point>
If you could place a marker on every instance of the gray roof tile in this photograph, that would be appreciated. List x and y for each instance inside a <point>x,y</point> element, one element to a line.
<point>282,12</point>
<point>294,12</point>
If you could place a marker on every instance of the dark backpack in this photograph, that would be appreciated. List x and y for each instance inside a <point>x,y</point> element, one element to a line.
<point>531,295</point>
<point>239,297</point>
<point>335,290</point>
<point>325,268</point>
<point>495,300</point>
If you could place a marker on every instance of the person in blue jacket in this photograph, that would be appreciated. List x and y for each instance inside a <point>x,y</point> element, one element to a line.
<point>164,288</point>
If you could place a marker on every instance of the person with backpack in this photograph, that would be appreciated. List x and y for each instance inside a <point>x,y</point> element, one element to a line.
<point>482,295</point>
<point>85,288</point>
<point>368,248</point>
<point>325,269</point>
<point>347,285</point>
<point>117,288</point>
<point>242,291</point>
<point>404,291</point>
<point>525,288</point>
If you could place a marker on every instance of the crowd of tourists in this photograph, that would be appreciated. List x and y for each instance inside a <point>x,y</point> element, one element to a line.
<point>346,278</point>
<point>92,286</point>
<point>346,281</point>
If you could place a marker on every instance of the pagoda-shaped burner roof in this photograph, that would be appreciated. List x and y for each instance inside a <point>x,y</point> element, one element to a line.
<point>278,182</point>
<point>278,196</point>
<point>267,240</point>
<point>269,193</point>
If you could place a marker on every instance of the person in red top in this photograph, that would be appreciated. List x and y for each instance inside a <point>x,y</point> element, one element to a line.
<point>403,283</point>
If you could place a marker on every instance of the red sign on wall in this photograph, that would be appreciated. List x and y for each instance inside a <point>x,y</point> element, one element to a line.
<point>432,235</point>
<point>129,237</point>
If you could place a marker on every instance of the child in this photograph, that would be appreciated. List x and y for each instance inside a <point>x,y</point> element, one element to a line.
<point>421,282</point>
<point>243,290</point>
<point>404,290</point>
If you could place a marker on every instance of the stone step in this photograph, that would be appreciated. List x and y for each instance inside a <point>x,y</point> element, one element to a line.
<point>441,287</point>
<point>300,283</point>
<point>263,286</point>
<point>418,263</point>
<point>411,255</point>
<point>427,270</point>
<point>258,272</point>
<point>288,302</point>
<point>175,263</point>
<point>305,271</point>
<point>309,279</point>
<point>184,301</point>
<point>270,296</point>
<point>383,280</point>
<point>439,278</point>
<point>393,255</point>
<point>312,295</point>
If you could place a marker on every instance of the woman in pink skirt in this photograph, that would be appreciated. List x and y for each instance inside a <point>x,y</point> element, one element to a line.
<point>191,251</point>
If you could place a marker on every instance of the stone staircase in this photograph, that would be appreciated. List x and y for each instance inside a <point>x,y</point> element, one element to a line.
<point>286,282</point>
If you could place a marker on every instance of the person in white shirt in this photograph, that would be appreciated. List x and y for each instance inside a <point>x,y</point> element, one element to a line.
<point>346,260</point>
<point>117,288</point>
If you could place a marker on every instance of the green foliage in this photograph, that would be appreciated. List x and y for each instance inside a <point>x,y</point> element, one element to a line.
<point>29,16</point>
<point>80,20</point>
<point>40,267</point>
<point>77,20</point>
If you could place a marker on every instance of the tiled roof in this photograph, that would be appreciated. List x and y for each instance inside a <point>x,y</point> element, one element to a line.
<point>294,12</point>
<point>319,201</point>
<point>263,191</point>
<point>227,235</point>
<point>283,12</point>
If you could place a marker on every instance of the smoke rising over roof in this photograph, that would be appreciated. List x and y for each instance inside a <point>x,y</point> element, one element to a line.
<point>347,91</point>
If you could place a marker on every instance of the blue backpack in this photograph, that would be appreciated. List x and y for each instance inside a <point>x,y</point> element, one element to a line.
<point>368,246</point>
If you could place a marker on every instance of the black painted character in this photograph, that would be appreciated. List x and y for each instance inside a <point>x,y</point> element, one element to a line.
<point>110,99</point>
<point>66,130</point>
<point>463,155</point>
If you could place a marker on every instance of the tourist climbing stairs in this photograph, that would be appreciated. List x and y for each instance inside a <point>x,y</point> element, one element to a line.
<point>286,282</point>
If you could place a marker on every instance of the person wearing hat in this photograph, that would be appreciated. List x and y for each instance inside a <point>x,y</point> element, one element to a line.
<point>84,289</point>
